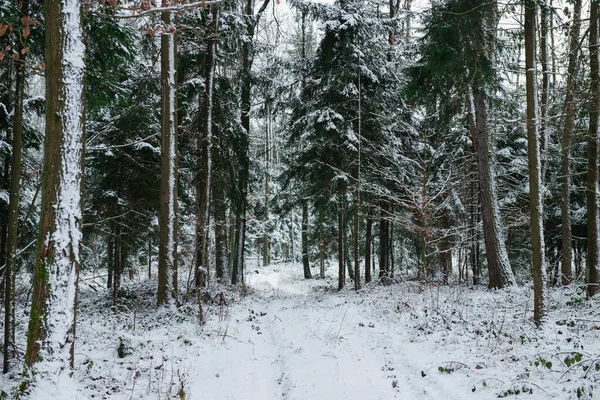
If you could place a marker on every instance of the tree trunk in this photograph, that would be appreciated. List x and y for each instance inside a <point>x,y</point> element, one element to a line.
<point>205,149</point>
<point>446,251</point>
<point>109,258</point>
<point>220,216</point>
<point>117,266</point>
<point>545,100</point>
<point>13,209</point>
<point>578,259</point>
<point>341,271</point>
<point>593,245</point>
<point>266,251</point>
<point>473,217</point>
<point>167,249</point>
<point>237,252</point>
<point>149,257</point>
<point>322,255</point>
<point>356,237</point>
<point>368,241</point>
<point>384,241</point>
<point>391,247</point>
<point>534,166</point>
<point>348,261</point>
<point>565,208</point>
<point>500,274</point>
<point>240,225</point>
<point>305,263</point>
<point>51,332</point>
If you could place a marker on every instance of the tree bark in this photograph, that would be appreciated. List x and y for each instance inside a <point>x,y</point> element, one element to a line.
<point>368,241</point>
<point>167,249</point>
<point>117,266</point>
<point>51,333</point>
<point>322,254</point>
<point>109,258</point>
<point>474,240</point>
<point>356,248</point>
<point>565,208</point>
<point>305,263</point>
<point>203,191</point>
<point>149,257</point>
<point>13,207</point>
<point>500,273</point>
<point>266,251</point>
<point>446,251</point>
<point>545,99</point>
<point>384,241</point>
<point>220,234</point>
<point>240,225</point>
<point>220,214</point>
<point>340,243</point>
<point>534,166</point>
<point>593,245</point>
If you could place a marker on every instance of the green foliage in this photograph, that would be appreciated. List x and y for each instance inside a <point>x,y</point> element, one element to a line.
<point>456,51</point>
<point>578,297</point>
<point>540,361</point>
<point>515,391</point>
<point>572,358</point>
<point>585,392</point>
<point>110,52</point>
<point>124,349</point>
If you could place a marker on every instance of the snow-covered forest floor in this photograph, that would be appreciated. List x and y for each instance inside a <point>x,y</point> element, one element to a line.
<point>290,338</point>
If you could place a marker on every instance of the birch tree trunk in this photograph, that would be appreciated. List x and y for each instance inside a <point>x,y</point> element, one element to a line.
<point>167,249</point>
<point>534,166</point>
<point>566,270</point>
<point>51,332</point>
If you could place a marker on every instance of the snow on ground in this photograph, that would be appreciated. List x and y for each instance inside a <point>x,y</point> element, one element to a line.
<point>295,339</point>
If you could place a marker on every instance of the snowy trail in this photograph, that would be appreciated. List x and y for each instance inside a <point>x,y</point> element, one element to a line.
<point>296,339</point>
<point>296,348</point>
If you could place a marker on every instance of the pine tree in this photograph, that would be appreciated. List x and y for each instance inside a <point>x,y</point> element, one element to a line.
<point>468,57</point>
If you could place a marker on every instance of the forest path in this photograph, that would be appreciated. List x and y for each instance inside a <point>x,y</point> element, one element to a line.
<point>298,339</point>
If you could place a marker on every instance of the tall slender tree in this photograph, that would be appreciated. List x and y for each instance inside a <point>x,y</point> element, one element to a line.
<point>566,253</point>
<point>246,102</point>
<point>203,190</point>
<point>535,168</point>
<point>167,250</point>
<point>15,187</point>
<point>593,224</point>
